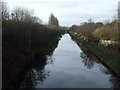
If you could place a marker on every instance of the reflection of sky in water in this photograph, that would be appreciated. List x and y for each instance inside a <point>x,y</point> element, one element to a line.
<point>67,47</point>
<point>69,71</point>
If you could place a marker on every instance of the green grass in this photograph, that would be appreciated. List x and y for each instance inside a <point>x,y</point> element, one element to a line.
<point>99,52</point>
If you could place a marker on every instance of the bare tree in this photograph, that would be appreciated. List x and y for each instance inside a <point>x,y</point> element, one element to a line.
<point>0,14</point>
<point>5,12</point>
<point>119,11</point>
<point>36,19</point>
<point>22,14</point>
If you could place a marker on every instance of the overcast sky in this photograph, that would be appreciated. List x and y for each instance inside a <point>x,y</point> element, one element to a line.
<point>69,12</point>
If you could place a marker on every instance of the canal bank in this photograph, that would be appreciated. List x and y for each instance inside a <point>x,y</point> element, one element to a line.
<point>103,56</point>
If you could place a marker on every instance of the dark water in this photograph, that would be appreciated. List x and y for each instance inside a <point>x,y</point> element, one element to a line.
<point>69,67</point>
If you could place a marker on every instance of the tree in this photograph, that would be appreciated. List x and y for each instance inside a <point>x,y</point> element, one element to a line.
<point>73,27</point>
<point>5,12</point>
<point>119,11</point>
<point>36,19</point>
<point>53,21</point>
<point>90,21</point>
<point>108,31</point>
<point>20,14</point>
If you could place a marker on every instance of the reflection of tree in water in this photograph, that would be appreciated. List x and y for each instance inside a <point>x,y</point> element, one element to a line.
<point>89,63</point>
<point>34,76</point>
<point>104,69</point>
<point>36,73</point>
<point>115,81</point>
<point>50,59</point>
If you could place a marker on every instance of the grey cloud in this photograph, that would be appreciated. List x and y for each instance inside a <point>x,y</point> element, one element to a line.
<point>75,12</point>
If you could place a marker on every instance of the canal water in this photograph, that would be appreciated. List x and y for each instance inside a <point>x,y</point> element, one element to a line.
<point>70,67</point>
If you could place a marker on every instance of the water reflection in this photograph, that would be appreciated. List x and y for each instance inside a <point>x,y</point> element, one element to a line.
<point>115,82</point>
<point>68,71</point>
<point>104,69</point>
<point>50,59</point>
<point>89,63</point>
<point>36,73</point>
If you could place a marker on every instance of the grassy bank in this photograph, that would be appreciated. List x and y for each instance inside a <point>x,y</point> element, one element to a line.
<point>111,62</point>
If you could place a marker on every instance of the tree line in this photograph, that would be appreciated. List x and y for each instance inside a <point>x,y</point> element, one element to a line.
<point>104,35</point>
<point>98,30</point>
<point>24,36</point>
<point>21,28</point>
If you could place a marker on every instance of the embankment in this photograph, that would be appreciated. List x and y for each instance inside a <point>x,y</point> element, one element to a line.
<point>111,63</point>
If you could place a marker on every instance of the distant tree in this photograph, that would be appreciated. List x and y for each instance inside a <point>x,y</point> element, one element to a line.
<point>86,29</point>
<point>0,9</point>
<point>23,14</point>
<point>119,11</point>
<point>4,10</point>
<point>73,27</point>
<point>106,21</point>
<point>53,21</point>
<point>90,21</point>
<point>36,19</point>
<point>115,18</point>
<point>108,31</point>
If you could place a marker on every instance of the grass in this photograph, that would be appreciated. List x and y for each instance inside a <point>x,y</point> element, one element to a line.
<point>104,55</point>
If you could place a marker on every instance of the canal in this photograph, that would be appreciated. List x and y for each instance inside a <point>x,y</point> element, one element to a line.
<point>69,67</point>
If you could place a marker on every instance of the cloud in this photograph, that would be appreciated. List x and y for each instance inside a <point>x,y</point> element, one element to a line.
<point>70,11</point>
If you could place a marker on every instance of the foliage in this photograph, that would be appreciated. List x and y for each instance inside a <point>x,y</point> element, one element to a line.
<point>86,28</point>
<point>108,32</point>
<point>24,37</point>
<point>98,30</point>
<point>53,22</point>
<point>5,11</point>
